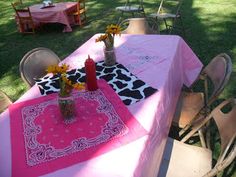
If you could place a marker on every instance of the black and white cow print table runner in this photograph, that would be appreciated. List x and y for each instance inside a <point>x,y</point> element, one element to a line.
<point>125,84</point>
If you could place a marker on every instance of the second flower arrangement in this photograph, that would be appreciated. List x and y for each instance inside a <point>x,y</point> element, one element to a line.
<point>108,39</point>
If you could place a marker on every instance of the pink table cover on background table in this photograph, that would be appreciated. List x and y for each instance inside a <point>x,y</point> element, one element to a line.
<point>164,62</point>
<point>56,14</point>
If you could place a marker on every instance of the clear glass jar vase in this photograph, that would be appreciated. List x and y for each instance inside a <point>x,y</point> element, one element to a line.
<point>67,106</point>
<point>109,56</point>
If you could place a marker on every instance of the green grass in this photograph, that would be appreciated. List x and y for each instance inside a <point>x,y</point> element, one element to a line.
<point>210,29</point>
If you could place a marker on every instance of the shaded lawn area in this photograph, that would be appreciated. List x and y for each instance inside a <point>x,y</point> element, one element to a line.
<point>210,29</point>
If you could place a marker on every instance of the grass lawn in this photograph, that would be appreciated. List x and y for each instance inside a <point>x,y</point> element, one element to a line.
<point>210,29</point>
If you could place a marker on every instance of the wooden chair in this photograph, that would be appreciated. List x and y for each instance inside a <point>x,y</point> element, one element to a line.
<point>80,15</point>
<point>184,160</point>
<point>24,19</point>
<point>139,26</point>
<point>132,8</point>
<point>193,106</point>
<point>161,15</point>
<point>5,101</point>
<point>35,62</point>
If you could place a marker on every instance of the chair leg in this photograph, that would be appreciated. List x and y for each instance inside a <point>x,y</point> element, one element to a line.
<point>183,130</point>
<point>144,14</point>
<point>190,134</point>
<point>182,25</point>
<point>181,28</point>
<point>77,20</point>
<point>120,18</point>
<point>133,14</point>
<point>173,26</point>
<point>166,24</point>
<point>208,142</point>
<point>202,139</point>
<point>85,17</point>
<point>33,28</point>
<point>27,27</point>
<point>21,27</point>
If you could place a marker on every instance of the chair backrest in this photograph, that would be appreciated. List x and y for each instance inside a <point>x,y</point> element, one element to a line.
<point>138,3</point>
<point>5,101</point>
<point>224,116</point>
<point>35,62</point>
<point>81,12</point>
<point>177,6</point>
<point>24,17</point>
<point>226,125</point>
<point>218,71</point>
<point>160,7</point>
<point>139,26</point>
<point>16,4</point>
<point>81,6</point>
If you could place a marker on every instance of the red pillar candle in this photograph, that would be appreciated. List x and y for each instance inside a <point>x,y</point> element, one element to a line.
<point>90,70</point>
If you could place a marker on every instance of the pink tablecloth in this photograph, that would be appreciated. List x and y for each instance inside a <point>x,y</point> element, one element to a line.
<point>56,14</point>
<point>173,64</point>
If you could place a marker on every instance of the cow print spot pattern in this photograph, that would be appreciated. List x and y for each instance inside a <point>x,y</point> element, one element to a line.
<point>125,84</point>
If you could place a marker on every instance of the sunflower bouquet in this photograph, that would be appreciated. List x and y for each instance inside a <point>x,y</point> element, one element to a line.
<point>65,84</point>
<point>108,37</point>
<point>65,100</point>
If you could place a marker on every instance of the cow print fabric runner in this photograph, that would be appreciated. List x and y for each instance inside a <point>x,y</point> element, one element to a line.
<point>129,88</point>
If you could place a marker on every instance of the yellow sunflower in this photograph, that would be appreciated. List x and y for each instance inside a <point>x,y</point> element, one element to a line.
<point>113,29</point>
<point>102,38</point>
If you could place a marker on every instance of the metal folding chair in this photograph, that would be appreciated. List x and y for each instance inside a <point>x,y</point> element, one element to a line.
<point>134,8</point>
<point>161,15</point>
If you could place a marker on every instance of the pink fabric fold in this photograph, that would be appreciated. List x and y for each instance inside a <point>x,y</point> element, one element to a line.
<point>43,142</point>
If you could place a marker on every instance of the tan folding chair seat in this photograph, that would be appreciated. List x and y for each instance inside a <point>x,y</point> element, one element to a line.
<point>132,7</point>
<point>183,160</point>
<point>160,15</point>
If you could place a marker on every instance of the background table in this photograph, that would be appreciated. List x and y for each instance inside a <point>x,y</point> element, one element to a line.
<point>57,14</point>
<point>162,61</point>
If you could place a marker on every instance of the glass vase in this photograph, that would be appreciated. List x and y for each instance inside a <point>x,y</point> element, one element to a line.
<point>67,106</point>
<point>109,56</point>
